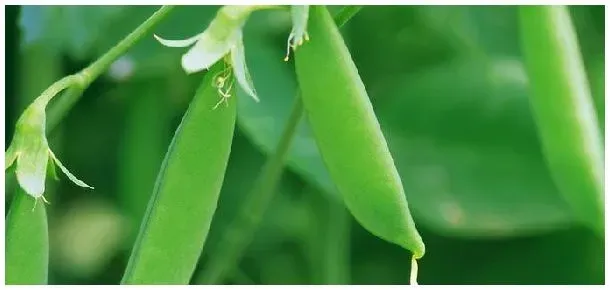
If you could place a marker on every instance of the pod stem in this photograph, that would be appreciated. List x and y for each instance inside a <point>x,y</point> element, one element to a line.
<point>80,81</point>
<point>327,239</point>
<point>414,269</point>
<point>336,245</point>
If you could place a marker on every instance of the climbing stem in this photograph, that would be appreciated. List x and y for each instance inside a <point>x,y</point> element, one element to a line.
<point>78,83</point>
<point>241,230</point>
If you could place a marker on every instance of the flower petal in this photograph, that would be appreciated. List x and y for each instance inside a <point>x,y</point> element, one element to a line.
<point>178,43</point>
<point>300,15</point>
<point>205,53</point>
<point>240,68</point>
<point>67,173</point>
<point>32,167</point>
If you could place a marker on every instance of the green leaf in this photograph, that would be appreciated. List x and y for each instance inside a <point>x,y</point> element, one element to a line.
<point>551,260</point>
<point>405,39</point>
<point>465,143</point>
<point>494,29</point>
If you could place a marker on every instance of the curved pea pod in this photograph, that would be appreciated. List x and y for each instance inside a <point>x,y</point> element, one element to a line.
<point>564,110</point>
<point>180,211</point>
<point>349,136</point>
<point>27,242</point>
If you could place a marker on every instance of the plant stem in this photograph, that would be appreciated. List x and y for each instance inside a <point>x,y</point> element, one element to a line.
<point>55,88</point>
<point>336,238</point>
<point>100,65</point>
<point>85,77</point>
<point>239,233</point>
<point>241,230</point>
<point>327,239</point>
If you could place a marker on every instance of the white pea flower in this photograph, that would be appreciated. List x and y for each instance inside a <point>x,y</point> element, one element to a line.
<point>222,38</point>
<point>30,150</point>
<point>300,15</point>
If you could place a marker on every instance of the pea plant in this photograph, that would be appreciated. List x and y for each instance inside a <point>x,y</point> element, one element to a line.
<point>333,99</point>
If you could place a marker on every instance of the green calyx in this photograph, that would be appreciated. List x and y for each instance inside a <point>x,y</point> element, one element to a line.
<point>30,150</point>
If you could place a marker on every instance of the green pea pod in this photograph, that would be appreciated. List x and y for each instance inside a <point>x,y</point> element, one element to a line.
<point>27,242</point>
<point>563,109</point>
<point>349,136</point>
<point>179,214</point>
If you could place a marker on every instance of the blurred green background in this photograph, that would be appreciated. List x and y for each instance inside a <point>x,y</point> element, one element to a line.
<point>449,88</point>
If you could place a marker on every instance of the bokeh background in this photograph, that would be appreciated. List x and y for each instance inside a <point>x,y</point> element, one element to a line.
<point>449,88</point>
